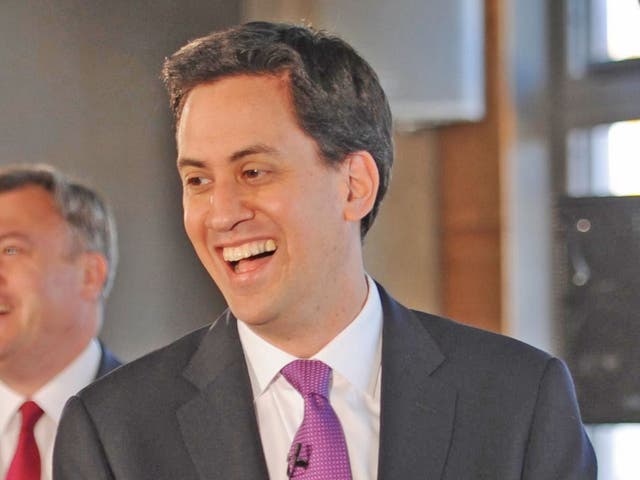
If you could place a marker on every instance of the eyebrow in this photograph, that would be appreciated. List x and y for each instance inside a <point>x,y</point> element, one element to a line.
<point>258,148</point>
<point>189,162</point>
<point>252,150</point>
<point>15,236</point>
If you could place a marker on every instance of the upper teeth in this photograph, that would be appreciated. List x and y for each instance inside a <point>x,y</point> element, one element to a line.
<point>234,254</point>
<point>4,308</point>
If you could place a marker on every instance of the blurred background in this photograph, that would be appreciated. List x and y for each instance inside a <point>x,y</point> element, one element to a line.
<point>513,205</point>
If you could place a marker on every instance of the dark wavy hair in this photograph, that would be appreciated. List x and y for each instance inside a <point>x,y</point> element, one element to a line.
<point>336,94</point>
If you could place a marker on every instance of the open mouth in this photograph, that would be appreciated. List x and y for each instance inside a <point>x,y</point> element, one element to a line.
<point>239,257</point>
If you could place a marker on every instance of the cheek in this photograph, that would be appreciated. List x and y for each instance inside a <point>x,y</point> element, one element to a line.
<point>192,219</point>
<point>194,224</point>
<point>62,281</point>
<point>189,224</point>
<point>35,293</point>
<point>23,280</point>
<point>313,223</point>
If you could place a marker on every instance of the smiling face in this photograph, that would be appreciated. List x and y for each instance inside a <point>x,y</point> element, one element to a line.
<point>270,221</point>
<point>41,282</point>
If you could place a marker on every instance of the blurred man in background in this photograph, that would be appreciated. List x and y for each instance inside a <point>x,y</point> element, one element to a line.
<point>57,262</point>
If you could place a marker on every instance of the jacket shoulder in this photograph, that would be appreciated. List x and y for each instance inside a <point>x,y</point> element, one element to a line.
<point>454,338</point>
<point>156,372</point>
<point>480,362</point>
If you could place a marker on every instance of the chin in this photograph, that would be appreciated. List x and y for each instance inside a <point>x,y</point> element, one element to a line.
<point>250,318</point>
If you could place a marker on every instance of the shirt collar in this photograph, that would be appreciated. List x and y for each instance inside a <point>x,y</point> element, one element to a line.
<point>355,353</point>
<point>10,402</point>
<point>54,394</point>
<point>77,375</point>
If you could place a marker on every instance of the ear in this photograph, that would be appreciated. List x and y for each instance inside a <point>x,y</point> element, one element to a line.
<point>96,269</point>
<point>363,181</point>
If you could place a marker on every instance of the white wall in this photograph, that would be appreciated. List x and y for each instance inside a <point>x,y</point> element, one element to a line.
<point>528,186</point>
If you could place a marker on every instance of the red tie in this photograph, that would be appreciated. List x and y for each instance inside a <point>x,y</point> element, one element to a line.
<point>26,461</point>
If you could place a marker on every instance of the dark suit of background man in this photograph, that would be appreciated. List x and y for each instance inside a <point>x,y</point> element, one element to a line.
<point>57,263</point>
<point>284,151</point>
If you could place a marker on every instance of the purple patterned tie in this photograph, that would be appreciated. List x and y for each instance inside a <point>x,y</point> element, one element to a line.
<point>319,450</point>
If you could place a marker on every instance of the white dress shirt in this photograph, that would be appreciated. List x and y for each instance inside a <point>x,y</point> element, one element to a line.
<point>51,399</point>
<point>355,357</point>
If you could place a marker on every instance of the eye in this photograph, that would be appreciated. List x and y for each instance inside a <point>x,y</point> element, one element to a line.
<point>253,173</point>
<point>10,250</point>
<point>196,181</point>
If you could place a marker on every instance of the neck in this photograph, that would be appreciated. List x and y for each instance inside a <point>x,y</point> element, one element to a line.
<point>27,376</point>
<point>308,330</point>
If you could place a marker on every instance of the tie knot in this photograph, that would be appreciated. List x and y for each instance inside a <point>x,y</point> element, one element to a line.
<point>308,376</point>
<point>31,413</point>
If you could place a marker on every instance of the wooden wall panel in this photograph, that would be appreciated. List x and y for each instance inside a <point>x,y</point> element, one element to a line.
<point>471,157</point>
<point>401,250</point>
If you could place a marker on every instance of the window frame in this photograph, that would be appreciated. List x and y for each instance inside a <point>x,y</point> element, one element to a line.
<point>583,93</point>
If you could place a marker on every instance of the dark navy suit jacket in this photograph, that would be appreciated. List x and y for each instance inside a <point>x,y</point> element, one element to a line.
<point>457,403</point>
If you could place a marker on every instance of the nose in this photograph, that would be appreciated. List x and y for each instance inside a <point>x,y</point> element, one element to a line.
<point>228,206</point>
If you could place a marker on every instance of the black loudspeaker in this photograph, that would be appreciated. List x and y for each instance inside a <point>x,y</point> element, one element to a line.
<point>598,274</point>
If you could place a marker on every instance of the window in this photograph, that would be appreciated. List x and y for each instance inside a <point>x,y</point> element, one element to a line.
<point>616,446</point>
<point>595,146</point>
<point>601,34</point>
<point>595,54</point>
<point>615,30</point>
<point>604,159</point>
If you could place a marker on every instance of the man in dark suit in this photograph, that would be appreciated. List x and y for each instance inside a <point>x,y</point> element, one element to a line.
<point>57,262</point>
<point>314,371</point>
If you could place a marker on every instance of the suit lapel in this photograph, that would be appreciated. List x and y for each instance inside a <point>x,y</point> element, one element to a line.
<point>417,410</point>
<point>219,424</point>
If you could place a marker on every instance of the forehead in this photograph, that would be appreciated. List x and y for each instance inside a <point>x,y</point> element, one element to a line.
<point>246,92</point>
<point>30,206</point>
<point>234,107</point>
